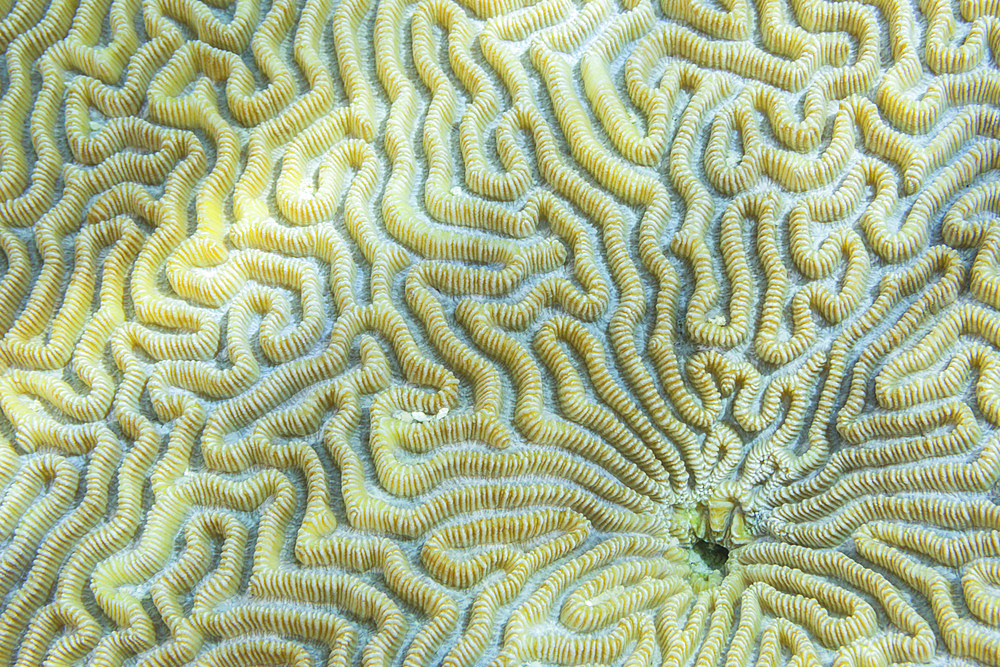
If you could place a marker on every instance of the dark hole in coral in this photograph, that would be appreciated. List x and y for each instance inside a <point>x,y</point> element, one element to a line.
<point>713,555</point>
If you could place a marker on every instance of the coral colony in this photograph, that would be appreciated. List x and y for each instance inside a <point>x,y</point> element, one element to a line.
<point>500,332</point>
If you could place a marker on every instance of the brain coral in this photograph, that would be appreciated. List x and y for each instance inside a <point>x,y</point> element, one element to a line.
<point>500,332</point>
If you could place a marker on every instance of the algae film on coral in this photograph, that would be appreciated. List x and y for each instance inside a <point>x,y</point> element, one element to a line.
<point>500,332</point>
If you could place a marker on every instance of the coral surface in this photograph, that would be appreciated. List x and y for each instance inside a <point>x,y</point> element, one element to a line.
<point>501,332</point>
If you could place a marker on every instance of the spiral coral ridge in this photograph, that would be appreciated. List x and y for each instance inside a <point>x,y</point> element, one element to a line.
<point>500,332</point>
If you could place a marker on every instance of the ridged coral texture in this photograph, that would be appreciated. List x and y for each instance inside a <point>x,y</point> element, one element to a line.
<point>500,332</point>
